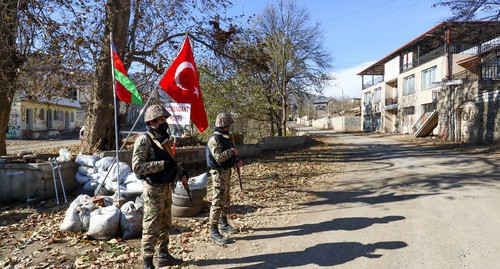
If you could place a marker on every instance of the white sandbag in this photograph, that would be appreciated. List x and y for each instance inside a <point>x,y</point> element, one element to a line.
<point>78,214</point>
<point>85,207</point>
<point>139,202</point>
<point>71,222</point>
<point>111,185</point>
<point>82,179</point>
<point>99,177</point>
<point>86,170</point>
<point>104,163</point>
<point>131,220</point>
<point>198,182</point>
<point>87,160</point>
<point>90,185</point>
<point>131,178</point>
<point>134,187</point>
<point>104,223</point>
<point>124,170</point>
<point>195,183</point>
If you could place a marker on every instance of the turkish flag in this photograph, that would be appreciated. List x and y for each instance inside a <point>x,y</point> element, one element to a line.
<point>181,83</point>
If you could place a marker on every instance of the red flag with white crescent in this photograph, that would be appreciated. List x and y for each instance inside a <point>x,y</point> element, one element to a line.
<point>181,83</point>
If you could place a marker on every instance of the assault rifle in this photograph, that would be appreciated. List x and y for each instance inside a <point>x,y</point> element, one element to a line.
<point>183,174</point>
<point>238,171</point>
<point>236,160</point>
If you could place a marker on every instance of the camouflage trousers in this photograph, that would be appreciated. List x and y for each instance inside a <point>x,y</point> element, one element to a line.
<point>221,198</point>
<point>157,217</point>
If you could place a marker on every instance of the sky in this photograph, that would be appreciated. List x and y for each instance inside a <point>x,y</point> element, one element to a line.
<point>361,32</point>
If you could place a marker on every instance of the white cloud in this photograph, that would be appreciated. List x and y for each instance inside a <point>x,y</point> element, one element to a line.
<point>346,80</point>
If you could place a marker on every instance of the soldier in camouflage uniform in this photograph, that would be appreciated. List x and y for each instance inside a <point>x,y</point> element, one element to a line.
<point>221,156</point>
<point>152,161</point>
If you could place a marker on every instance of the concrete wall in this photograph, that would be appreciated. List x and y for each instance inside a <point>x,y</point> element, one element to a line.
<point>323,123</point>
<point>474,116</point>
<point>339,124</point>
<point>20,181</point>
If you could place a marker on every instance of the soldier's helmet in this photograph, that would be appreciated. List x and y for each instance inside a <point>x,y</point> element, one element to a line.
<point>154,112</point>
<point>223,120</point>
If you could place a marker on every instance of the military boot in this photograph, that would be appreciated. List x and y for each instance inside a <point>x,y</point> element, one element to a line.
<point>165,259</point>
<point>148,263</point>
<point>216,236</point>
<point>225,227</point>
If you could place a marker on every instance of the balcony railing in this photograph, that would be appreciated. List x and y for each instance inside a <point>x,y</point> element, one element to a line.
<point>489,72</point>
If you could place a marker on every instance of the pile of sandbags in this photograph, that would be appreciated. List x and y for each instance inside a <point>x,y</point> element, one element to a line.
<point>103,222</point>
<point>93,171</point>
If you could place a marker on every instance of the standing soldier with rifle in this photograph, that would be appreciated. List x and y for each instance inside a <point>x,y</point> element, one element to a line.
<point>221,158</point>
<point>153,161</point>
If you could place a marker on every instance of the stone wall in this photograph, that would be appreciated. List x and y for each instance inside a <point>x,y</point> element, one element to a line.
<point>470,113</point>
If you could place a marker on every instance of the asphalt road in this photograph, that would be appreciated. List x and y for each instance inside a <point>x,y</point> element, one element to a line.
<point>394,206</point>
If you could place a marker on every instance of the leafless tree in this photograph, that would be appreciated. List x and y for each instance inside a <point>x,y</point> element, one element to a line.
<point>73,38</point>
<point>298,62</point>
<point>468,10</point>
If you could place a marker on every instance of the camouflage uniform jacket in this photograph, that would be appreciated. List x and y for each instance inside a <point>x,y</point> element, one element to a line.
<point>221,151</point>
<point>144,161</point>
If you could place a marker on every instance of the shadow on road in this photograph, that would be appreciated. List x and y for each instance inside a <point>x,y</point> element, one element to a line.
<point>347,224</point>
<point>329,254</point>
<point>367,197</point>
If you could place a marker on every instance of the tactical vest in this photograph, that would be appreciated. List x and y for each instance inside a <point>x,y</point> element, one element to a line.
<point>166,175</point>
<point>226,144</point>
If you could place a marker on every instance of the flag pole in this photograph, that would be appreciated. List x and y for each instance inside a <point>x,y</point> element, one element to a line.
<point>116,115</point>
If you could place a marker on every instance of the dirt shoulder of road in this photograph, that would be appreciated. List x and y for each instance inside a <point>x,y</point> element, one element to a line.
<point>273,184</point>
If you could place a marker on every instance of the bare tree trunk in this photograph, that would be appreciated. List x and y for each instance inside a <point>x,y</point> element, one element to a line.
<point>9,62</point>
<point>283,114</point>
<point>99,126</point>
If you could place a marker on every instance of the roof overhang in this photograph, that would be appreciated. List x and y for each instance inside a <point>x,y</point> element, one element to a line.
<point>467,34</point>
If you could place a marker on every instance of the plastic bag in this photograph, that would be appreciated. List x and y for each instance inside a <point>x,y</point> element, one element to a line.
<point>64,156</point>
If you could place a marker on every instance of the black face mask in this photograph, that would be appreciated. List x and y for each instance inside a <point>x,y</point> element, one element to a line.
<point>163,128</point>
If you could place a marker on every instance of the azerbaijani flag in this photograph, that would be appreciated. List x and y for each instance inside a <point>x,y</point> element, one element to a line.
<point>125,88</point>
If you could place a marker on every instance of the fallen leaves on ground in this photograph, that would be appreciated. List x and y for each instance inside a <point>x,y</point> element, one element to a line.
<point>273,183</point>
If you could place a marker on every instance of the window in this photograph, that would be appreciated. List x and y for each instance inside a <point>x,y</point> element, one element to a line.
<point>377,96</point>
<point>368,98</point>
<point>72,117</point>
<point>409,85</point>
<point>42,114</point>
<point>428,77</point>
<point>408,116</point>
